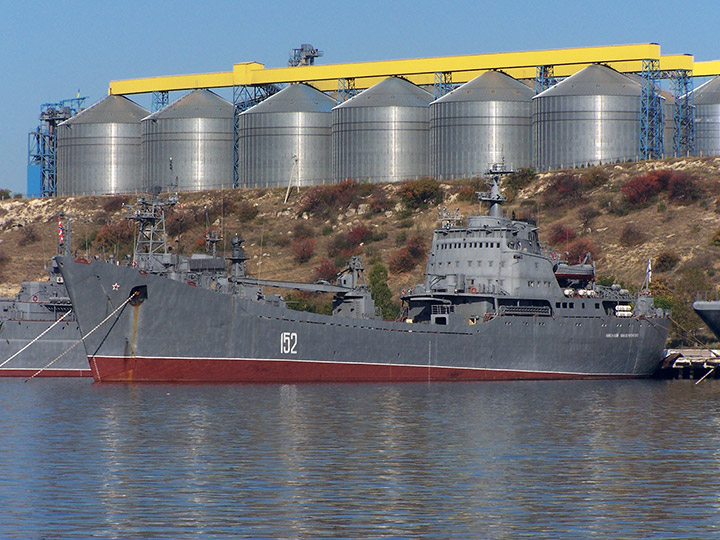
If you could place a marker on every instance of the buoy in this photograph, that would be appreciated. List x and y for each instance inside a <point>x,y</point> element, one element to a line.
<point>473,290</point>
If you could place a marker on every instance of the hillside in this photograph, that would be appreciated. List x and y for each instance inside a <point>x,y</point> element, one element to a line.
<point>667,211</point>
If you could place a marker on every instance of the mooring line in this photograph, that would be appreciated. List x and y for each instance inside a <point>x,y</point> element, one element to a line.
<point>41,335</point>
<point>82,338</point>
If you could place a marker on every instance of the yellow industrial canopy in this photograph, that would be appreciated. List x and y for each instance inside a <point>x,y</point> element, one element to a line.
<point>421,71</point>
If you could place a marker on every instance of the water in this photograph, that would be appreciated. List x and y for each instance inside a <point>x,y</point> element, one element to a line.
<point>603,459</point>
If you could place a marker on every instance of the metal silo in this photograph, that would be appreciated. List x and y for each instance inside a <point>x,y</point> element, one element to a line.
<point>592,117</point>
<point>188,145</point>
<point>382,133</point>
<point>484,121</point>
<point>98,150</point>
<point>286,138</point>
<point>707,118</point>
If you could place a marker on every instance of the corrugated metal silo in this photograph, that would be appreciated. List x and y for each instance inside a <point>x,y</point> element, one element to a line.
<point>188,145</point>
<point>482,122</point>
<point>287,138</point>
<point>382,133</point>
<point>590,117</point>
<point>707,118</point>
<point>98,150</point>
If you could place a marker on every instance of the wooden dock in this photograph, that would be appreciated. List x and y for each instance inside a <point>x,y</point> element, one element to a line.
<point>690,364</point>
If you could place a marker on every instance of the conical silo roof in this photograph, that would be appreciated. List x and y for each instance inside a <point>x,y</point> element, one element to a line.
<point>196,104</point>
<point>490,86</point>
<point>295,98</point>
<point>390,92</point>
<point>708,93</point>
<point>592,81</point>
<point>110,110</point>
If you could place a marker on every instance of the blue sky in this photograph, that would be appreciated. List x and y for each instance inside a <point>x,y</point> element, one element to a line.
<point>50,50</point>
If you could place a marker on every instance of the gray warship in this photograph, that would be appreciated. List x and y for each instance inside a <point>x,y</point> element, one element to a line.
<point>39,334</point>
<point>494,306</point>
<point>709,312</point>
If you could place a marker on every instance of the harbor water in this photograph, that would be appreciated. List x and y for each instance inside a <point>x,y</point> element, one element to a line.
<point>506,460</point>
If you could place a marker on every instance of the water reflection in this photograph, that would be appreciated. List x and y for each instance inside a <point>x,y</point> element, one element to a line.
<point>499,460</point>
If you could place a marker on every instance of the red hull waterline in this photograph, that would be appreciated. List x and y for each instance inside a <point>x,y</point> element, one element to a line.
<point>14,372</point>
<point>233,370</point>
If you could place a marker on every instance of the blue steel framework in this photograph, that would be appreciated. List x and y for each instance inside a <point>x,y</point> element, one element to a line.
<point>544,78</point>
<point>346,89</point>
<point>443,84</point>
<point>245,97</point>
<point>651,115</point>
<point>42,143</point>
<point>160,99</point>
<point>684,134</point>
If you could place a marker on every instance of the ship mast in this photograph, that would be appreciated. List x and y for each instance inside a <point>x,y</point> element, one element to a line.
<point>494,197</point>
<point>151,241</point>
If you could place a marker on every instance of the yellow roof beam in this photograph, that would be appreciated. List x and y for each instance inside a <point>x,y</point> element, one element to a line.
<point>707,69</point>
<point>419,70</point>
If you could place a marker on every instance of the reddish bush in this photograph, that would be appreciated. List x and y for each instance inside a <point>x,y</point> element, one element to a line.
<point>379,201</point>
<point>323,200</point>
<point>560,233</point>
<point>564,188</point>
<point>683,188</point>
<point>577,249</point>
<point>358,235</point>
<point>327,270</point>
<point>641,189</point>
<point>340,245</point>
<point>407,257</point>
<point>303,249</point>
<point>402,261</point>
<point>416,246</point>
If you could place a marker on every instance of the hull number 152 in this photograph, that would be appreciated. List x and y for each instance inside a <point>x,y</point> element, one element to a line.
<point>288,343</point>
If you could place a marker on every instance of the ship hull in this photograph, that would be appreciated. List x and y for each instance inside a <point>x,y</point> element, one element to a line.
<point>56,354</point>
<point>184,333</point>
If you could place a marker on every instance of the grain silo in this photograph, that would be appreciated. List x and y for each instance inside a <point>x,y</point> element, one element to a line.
<point>98,149</point>
<point>591,117</point>
<point>287,138</point>
<point>188,145</point>
<point>707,118</point>
<point>381,134</point>
<point>484,121</point>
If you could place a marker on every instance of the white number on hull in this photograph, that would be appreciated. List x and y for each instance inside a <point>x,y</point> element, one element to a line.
<point>288,343</point>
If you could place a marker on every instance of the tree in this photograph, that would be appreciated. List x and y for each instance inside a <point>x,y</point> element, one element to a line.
<point>380,291</point>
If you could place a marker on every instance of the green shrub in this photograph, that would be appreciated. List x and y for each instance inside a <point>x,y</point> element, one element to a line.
<point>246,211</point>
<point>666,261</point>
<point>632,235</point>
<point>28,235</point>
<point>380,291</point>
<point>421,193</point>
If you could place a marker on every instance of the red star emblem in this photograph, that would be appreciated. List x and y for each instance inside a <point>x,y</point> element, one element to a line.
<point>115,286</point>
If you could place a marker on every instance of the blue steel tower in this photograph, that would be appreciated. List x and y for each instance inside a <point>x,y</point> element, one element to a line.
<point>42,146</point>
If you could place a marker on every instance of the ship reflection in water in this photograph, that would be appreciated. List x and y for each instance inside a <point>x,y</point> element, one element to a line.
<point>500,460</point>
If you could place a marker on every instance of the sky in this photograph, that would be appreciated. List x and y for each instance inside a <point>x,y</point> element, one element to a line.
<point>50,50</point>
